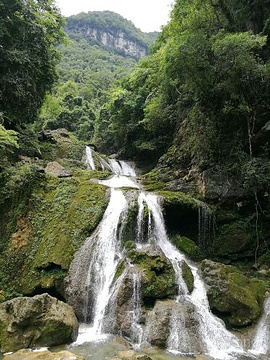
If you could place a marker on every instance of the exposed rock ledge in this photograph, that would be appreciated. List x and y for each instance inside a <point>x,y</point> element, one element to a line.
<point>36,322</point>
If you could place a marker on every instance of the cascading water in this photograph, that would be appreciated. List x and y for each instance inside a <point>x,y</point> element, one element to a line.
<point>262,338</point>
<point>219,343</point>
<point>93,286</point>
<point>206,225</point>
<point>89,159</point>
<point>136,328</point>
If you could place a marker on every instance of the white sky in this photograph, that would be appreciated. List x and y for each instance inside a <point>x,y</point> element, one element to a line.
<point>148,15</point>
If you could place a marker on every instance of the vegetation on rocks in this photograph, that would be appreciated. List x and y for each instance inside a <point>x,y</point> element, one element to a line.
<point>38,321</point>
<point>234,297</point>
<point>158,274</point>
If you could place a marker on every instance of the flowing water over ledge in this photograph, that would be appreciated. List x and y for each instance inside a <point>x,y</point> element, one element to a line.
<point>93,287</point>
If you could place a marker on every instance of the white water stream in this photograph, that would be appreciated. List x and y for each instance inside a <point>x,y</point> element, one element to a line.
<point>102,253</point>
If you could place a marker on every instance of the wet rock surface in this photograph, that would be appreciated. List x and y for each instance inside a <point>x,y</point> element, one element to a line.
<point>36,322</point>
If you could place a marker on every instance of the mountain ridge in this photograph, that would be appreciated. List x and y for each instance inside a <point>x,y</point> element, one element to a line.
<point>109,29</point>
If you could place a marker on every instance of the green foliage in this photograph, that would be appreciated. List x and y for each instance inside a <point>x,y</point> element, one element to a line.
<point>204,88</point>
<point>8,141</point>
<point>87,72</point>
<point>29,34</point>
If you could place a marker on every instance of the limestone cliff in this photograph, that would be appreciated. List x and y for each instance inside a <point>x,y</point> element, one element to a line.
<point>110,30</point>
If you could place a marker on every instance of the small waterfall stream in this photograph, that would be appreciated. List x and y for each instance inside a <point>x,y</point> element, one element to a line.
<point>262,338</point>
<point>92,285</point>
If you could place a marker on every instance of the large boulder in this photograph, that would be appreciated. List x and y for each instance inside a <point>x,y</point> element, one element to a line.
<point>174,324</point>
<point>36,322</point>
<point>158,277</point>
<point>53,168</point>
<point>41,355</point>
<point>234,297</point>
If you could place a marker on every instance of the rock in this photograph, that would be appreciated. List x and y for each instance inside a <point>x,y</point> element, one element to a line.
<point>42,355</point>
<point>158,280</point>
<point>55,169</point>
<point>54,135</point>
<point>234,241</point>
<point>187,276</point>
<point>36,322</point>
<point>189,247</point>
<point>217,185</point>
<point>126,324</point>
<point>164,317</point>
<point>158,323</point>
<point>234,297</point>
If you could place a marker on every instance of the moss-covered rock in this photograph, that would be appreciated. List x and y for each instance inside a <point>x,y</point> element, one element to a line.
<point>187,276</point>
<point>158,280</point>
<point>62,213</point>
<point>38,321</point>
<point>188,247</point>
<point>234,297</point>
<point>234,240</point>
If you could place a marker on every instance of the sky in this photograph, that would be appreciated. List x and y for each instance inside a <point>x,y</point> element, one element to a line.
<point>147,15</point>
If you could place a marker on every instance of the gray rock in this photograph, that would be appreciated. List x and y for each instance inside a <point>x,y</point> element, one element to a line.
<point>55,169</point>
<point>36,322</point>
<point>168,314</point>
<point>216,184</point>
<point>158,323</point>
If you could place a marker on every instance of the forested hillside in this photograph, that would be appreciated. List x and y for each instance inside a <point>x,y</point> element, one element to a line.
<point>198,107</point>
<point>101,49</point>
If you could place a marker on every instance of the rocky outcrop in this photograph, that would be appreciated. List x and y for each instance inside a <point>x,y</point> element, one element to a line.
<point>36,322</point>
<point>234,297</point>
<point>55,169</point>
<point>158,279</point>
<point>42,355</point>
<point>216,185</point>
<point>54,135</point>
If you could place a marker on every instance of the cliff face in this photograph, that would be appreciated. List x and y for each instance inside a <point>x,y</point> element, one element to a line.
<point>110,30</point>
<point>115,39</point>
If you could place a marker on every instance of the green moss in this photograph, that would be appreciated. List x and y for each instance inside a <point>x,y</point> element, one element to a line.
<point>234,238</point>
<point>63,213</point>
<point>235,297</point>
<point>120,269</point>
<point>152,181</point>
<point>129,245</point>
<point>178,198</point>
<point>187,276</point>
<point>159,277</point>
<point>188,247</point>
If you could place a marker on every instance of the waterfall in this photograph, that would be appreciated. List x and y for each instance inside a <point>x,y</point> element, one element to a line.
<point>136,328</point>
<point>89,159</point>
<point>93,286</point>
<point>93,268</point>
<point>218,342</point>
<point>206,225</point>
<point>262,337</point>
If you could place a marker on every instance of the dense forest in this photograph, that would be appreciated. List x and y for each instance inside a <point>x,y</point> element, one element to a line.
<point>189,106</point>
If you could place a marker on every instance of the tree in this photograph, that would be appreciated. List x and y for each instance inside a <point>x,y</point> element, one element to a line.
<point>30,31</point>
